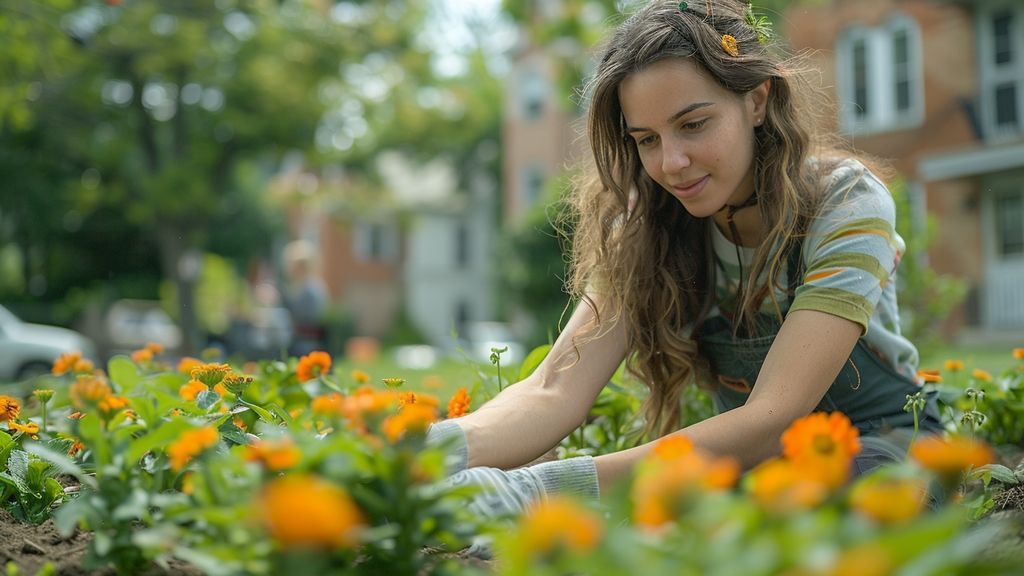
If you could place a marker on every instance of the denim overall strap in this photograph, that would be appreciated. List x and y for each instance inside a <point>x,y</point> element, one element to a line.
<point>869,391</point>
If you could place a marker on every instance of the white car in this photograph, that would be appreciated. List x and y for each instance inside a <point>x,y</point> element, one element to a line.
<point>28,350</point>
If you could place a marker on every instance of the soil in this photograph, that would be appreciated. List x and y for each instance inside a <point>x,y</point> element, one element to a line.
<point>31,546</point>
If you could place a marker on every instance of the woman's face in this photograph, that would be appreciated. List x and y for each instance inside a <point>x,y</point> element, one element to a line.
<point>694,137</point>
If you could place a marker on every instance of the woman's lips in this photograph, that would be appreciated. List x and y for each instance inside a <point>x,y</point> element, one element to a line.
<point>691,189</point>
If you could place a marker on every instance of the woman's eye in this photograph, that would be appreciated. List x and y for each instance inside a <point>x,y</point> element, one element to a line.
<point>646,141</point>
<point>697,125</point>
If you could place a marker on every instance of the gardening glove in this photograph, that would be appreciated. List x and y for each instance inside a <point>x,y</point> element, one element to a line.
<point>449,436</point>
<point>509,493</point>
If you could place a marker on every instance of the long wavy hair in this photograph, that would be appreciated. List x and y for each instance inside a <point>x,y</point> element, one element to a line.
<point>635,244</point>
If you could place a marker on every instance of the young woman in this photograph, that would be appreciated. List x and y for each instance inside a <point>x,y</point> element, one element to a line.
<point>716,243</point>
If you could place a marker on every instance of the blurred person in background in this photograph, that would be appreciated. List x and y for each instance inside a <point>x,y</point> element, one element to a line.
<point>305,297</point>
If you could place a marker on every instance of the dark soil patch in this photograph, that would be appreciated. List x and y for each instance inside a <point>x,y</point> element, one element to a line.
<point>31,546</point>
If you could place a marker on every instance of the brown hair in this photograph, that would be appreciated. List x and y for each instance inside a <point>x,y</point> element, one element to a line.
<point>651,261</point>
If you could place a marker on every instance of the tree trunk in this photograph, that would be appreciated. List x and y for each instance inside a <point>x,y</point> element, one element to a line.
<point>175,253</point>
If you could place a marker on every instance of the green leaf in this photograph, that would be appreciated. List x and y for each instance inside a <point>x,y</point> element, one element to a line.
<point>207,399</point>
<point>62,462</point>
<point>124,373</point>
<point>1001,473</point>
<point>157,438</point>
<point>261,412</point>
<point>281,413</point>
<point>94,436</point>
<point>533,360</point>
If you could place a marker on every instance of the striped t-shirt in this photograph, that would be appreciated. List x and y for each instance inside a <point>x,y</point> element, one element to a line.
<point>850,255</point>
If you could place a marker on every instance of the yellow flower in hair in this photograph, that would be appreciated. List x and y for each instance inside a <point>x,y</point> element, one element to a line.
<point>730,45</point>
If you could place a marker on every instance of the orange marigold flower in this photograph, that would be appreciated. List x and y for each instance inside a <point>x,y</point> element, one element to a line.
<point>669,478</point>
<point>187,364</point>
<point>111,405</point>
<point>823,445</point>
<point>273,455</point>
<point>929,376</point>
<point>459,404</point>
<point>83,366</point>
<point>1018,353</point>
<point>155,347</point>
<point>76,447</point>
<point>868,559</point>
<point>88,391</point>
<point>954,365</point>
<point>236,383</point>
<point>240,424</point>
<point>313,365</point>
<point>558,523</point>
<point>188,485</point>
<point>889,500</point>
<point>29,428</point>
<point>76,416</point>
<point>406,398</point>
<point>730,45</point>
<point>981,375</point>
<point>210,374</point>
<point>304,511</point>
<point>360,377</point>
<point>65,363</point>
<point>190,444</point>
<point>142,356</point>
<point>412,419</point>
<point>951,457</point>
<point>328,405</point>
<point>10,407</point>
<point>781,486</point>
<point>191,390</point>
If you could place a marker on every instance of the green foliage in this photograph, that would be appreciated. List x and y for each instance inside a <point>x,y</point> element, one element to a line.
<point>925,296</point>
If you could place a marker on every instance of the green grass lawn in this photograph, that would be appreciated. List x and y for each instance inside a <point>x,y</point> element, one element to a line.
<point>991,358</point>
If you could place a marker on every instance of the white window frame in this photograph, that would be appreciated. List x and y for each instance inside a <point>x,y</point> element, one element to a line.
<point>882,114</point>
<point>991,76</point>
<point>362,241</point>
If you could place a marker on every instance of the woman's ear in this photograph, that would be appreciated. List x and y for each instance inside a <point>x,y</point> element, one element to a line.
<point>758,101</point>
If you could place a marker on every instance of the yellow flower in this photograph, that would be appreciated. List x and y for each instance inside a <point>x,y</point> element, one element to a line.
<point>43,395</point>
<point>192,389</point>
<point>950,457</point>
<point>190,444</point>
<point>981,375</point>
<point>10,407</point>
<point>28,428</point>
<point>88,391</point>
<point>730,45</point>
<point>406,398</point>
<point>412,419</point>
<point>823,445</point>
<point>210,374</point>
<point>459,403</point>
<point>313,365</point>
<point>236,383</point>
<point>304,511</point>
<point>781,485</point>
<point>155,348</point>
<point>142,356</point>
<point>76,447</point>
<point>954,365</point>
<point>558,523</point>
<point>393,382</point>
<point>1018,353</point>
<point>929,376</point>
<point>360,377</point>
<point>672,447</point>
<point>889,500</point>
<point>274,456</point>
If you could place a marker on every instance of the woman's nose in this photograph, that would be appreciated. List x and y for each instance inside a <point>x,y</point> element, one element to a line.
<point>675,156</point>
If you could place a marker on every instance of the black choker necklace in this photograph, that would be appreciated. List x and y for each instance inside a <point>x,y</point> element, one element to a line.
<point>737,241</point>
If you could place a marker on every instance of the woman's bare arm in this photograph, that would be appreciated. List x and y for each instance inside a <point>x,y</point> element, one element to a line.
<point>529,418</point>
<point>802,363</point>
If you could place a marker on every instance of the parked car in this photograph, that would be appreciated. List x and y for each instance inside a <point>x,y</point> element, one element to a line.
<point>131,324</point>
<point>28,350</point>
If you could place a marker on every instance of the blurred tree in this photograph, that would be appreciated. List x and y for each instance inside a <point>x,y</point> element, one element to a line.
<point>154,110</point>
